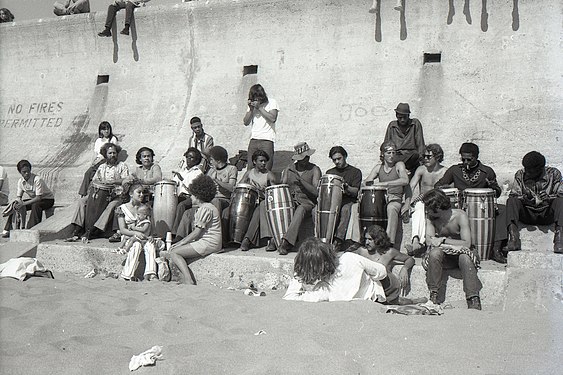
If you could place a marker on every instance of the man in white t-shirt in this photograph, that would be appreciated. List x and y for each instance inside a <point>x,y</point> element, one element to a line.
<point>262,114</point>
<point>4,186</point>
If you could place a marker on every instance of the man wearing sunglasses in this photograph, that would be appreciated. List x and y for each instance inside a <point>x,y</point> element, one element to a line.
<point>471,173</point>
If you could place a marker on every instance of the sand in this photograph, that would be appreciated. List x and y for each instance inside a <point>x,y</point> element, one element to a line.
<point>73,325</point>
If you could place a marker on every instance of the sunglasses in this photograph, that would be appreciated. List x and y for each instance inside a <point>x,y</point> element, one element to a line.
<point>428,156</point>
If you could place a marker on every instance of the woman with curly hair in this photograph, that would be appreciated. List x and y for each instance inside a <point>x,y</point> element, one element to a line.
<point>206,238</point>
<point>320,275</point>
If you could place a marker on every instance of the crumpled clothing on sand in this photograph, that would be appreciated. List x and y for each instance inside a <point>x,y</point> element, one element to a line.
<point>427,308</point>
<point>147,357</point>
<point>20,268</point>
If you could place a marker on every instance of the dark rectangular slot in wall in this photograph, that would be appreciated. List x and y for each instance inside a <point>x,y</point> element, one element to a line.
<point>432,58</point>
<point>102,79</point>
<point>249,69</point>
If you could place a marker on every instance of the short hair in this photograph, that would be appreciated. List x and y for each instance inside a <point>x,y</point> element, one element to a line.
<point>436,199</point>
<point>258,153</point>
<point>218,153</point>
<point>104,125</point>
<point>23,163</point>
<point>141,150</point>
<point>106,147</point>
<point>379,236</point>
<point>194,120</point>
<point>315,261</point>
<point>258,93</point>
<point>436,150</point>
<point>337,150</point>
<point>196,153</point>
<point>203,188</point>
<point>469,148</point>
<point>145,207</point>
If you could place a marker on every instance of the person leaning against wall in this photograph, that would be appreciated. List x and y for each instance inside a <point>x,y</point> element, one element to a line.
<point>67,7</point>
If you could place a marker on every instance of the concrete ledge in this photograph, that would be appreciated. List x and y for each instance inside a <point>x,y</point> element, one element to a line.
<point>25,235</point>
<point>535,260</point>
<point>533,289</point>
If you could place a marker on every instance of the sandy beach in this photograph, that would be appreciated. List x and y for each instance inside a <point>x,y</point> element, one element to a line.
<point>73,325</point>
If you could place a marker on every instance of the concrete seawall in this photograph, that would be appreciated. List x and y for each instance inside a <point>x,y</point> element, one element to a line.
<point>336,70</point>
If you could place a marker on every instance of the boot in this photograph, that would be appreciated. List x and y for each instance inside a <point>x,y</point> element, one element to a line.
<point>513,238</point>
<point>125,30</point>
<point>271,245</point>
<point>106,32</point>
<point>434,297</point>
<point>285,247</point>
<point>497,255</point>
<point>245,244</point>
<point>557,245</point>
<point>474,303</point>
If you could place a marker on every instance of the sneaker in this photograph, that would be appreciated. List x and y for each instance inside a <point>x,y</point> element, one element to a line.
<point>271,245</point>
<point>474,303</point>
<point>5,234</point>
<point>106,32</point>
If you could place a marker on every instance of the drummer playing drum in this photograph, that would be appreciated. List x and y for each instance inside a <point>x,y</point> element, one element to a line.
<point>391,174</point>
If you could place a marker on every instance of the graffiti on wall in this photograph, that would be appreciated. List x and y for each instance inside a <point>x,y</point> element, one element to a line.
<point>32,115</point>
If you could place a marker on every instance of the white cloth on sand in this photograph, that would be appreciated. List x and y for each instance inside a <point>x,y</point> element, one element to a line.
<point>147,357</point>
<point>19,268</point>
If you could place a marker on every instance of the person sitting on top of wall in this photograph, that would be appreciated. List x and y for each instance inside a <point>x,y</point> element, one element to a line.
<point>129,6</point>
<point>67,7</point>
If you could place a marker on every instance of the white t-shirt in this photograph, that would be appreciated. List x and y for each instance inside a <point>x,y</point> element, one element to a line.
<point>100,142</point>
<point>261,129</point>
<point>36,187</point>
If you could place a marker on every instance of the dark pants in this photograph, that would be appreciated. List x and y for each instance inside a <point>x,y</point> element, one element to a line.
<point>260,144</point>
<point>112,11</point>
<point>410,158</point>
<point>343,221</point>
<point>439,261</point>
<point>36,214</point>
<point>185,203</point>
<point>516,211</point>
<point>88,175</point>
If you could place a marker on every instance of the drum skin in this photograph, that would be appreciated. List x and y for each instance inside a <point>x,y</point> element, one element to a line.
<point>372,207</point>
<point>243,202</point>
<point>98,198</point>
<point>480,204</point>
<point>328,207</point>
<point>454,195</point>
<point>279,209</point>
<point>164,210</point>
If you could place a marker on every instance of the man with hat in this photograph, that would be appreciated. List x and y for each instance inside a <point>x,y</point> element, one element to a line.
<point>536,198</point>
<point>406,134</point>
<point>302,176</point>
<point>471,173</point>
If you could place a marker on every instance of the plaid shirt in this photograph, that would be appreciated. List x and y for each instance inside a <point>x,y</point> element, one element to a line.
<point>550,182</point>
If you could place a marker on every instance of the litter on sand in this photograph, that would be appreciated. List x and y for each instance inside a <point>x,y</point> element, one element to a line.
<point>147,357</point>
<point>261,332</point>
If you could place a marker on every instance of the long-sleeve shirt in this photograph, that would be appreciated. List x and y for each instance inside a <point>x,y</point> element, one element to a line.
<point>356,277</point>
<point>479,177</point>
<point>410,141</point>
<point>352,176</point>
<point>549,182</point>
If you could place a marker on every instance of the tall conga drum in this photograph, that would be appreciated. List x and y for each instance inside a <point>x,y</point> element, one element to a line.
<point>279,209</point>
<point>98,198</point>
<point>243,202</point>
<point>455,197</point>
<point>372,207</point>
<point>328,206</point>
<point>164,210</point>
<point>480,205</point>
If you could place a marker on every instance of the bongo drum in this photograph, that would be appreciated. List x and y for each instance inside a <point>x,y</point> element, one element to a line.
<point>454,195</point>
<point>243,202</point>
<point>98,198</point>
<point>328,207</point>
<point>164,210</point>
<point>480,205</point>
<point>372,207</point>
<point>279,209</point>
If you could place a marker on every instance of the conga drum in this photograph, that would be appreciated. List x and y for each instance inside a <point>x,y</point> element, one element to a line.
<point>279,209</point>
<point>372,207</point>
<point>164,209</point>
<point>480,205</point>
<point>243,202</point>
<point>328,206</point>
<point>98,198</point>
<point>454,195</point>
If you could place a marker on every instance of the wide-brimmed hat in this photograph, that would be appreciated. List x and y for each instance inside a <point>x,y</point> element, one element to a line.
<point>403,109</point>
<point>301,150</point>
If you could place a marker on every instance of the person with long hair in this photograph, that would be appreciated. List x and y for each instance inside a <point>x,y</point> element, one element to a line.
<point>147,171</point>
<point>262,114</point>
<point>321,275</point>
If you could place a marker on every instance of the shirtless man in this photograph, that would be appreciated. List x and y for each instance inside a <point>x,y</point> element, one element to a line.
<point>378,248</point>
<point>449,240</point>
<point>424,179</point>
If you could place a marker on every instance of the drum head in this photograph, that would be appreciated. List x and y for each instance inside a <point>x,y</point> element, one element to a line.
<point>246,186</point>
<point>279,186</point>
<point>332,177</point>
<point>165,182</point>
<point>478,191</point>
<point>372,188</point>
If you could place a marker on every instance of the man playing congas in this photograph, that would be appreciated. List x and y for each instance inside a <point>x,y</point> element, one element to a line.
<point>302,176</point>
<point>392,175</point>
<point>352,177</point>
<point>423,180</point>
<point>448,238</point>
<point>224,175</point>
<point>536,198</point>
<point>471,173</point>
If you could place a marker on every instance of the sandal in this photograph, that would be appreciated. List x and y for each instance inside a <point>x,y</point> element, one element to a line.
<point>116,237</point>
<point>72,239</point>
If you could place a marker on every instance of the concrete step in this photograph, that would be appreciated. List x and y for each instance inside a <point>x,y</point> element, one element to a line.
<point>237,269</point>
<point>9,250</point>
<point>54,227</point>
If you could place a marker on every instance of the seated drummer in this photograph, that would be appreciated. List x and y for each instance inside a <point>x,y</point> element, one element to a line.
<point>471,173</point>
<point>259,177</point>
<point>352,180</point>
<point>449,239</point>
<point>189,170</point>
<point>41,198</point>
<point>224,175</point>
<point>536,198</point>
<point>392,175</point>
<point>302,176</point>
<point>147,171</point>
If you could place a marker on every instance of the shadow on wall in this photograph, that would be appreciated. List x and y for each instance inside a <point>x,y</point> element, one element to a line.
<point>133,31</point>
<point>484,14</point>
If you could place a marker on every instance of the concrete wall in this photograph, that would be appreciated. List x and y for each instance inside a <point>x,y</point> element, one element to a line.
<point>336,70</point>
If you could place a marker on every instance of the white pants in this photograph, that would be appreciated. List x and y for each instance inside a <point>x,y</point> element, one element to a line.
<point>132,261</point>
<point>419,222</point>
